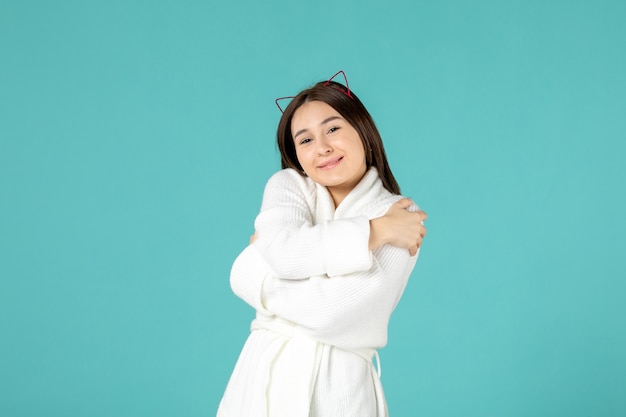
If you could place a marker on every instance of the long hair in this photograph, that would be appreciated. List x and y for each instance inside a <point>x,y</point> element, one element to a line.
<point>354,112</point>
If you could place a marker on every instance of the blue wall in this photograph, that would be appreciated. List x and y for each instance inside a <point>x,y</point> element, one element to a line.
<point>136,137</point>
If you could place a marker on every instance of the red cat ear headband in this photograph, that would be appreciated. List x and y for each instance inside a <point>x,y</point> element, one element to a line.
<point>347,92</point>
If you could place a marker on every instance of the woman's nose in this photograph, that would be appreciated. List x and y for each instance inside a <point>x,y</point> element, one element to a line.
<point>324,147</point>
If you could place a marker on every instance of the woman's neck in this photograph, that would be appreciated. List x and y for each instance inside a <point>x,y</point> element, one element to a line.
<point>338,195</point>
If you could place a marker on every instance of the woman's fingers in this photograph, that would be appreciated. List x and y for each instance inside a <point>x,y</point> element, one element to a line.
<point>403,203</point>
<point>399,227</point>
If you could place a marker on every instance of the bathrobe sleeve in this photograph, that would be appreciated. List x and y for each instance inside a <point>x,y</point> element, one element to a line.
<point>333,309</point>
<point>294,247</point>
<point>350,310</point>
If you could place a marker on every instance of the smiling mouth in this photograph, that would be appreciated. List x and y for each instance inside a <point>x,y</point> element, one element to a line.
<point>331,164</point>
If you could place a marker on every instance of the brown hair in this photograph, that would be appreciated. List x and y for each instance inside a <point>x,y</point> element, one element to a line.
<point>355,113</point>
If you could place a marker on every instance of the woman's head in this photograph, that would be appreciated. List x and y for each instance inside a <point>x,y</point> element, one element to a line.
<point>349,107</point>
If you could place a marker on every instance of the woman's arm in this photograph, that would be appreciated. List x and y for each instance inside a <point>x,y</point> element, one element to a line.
<point>351,310</point>
<point>293,246</point>
<point>333,310</point>
<point>247,275</point>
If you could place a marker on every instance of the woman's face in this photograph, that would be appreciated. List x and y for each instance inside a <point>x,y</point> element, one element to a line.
<point>328,148</point>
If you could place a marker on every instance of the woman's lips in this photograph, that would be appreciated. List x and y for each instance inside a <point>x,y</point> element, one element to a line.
<point>331,163</point>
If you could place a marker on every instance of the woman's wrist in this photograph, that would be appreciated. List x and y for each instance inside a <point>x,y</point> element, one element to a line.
<point>377,229</point>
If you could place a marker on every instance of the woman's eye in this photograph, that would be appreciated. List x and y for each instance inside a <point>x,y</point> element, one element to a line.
<point>303,141</point>
<point>333,129</point>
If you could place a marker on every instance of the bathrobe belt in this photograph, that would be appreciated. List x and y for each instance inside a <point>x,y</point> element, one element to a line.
<point>294,368</point>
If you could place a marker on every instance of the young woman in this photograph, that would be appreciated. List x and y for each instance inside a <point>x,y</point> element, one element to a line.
<point>333,248</point>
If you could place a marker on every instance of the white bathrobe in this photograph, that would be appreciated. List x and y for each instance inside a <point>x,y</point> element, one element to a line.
<point>323,303</point>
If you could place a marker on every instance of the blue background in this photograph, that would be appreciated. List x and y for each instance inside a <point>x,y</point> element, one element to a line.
<point>136,138</point>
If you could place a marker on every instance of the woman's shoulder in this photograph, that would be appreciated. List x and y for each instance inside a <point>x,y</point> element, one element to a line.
<point>288,185</point>
<point>386,199</point>
<point>285,174</point>
<point>289,178</point>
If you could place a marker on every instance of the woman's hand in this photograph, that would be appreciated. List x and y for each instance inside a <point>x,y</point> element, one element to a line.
<point>398,227</point>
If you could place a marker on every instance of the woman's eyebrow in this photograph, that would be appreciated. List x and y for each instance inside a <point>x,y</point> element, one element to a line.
<point>327,120</point>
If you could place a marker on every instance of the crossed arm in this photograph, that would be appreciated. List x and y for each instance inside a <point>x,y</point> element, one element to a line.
<point>295,248</point>
<point>330,278</point>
